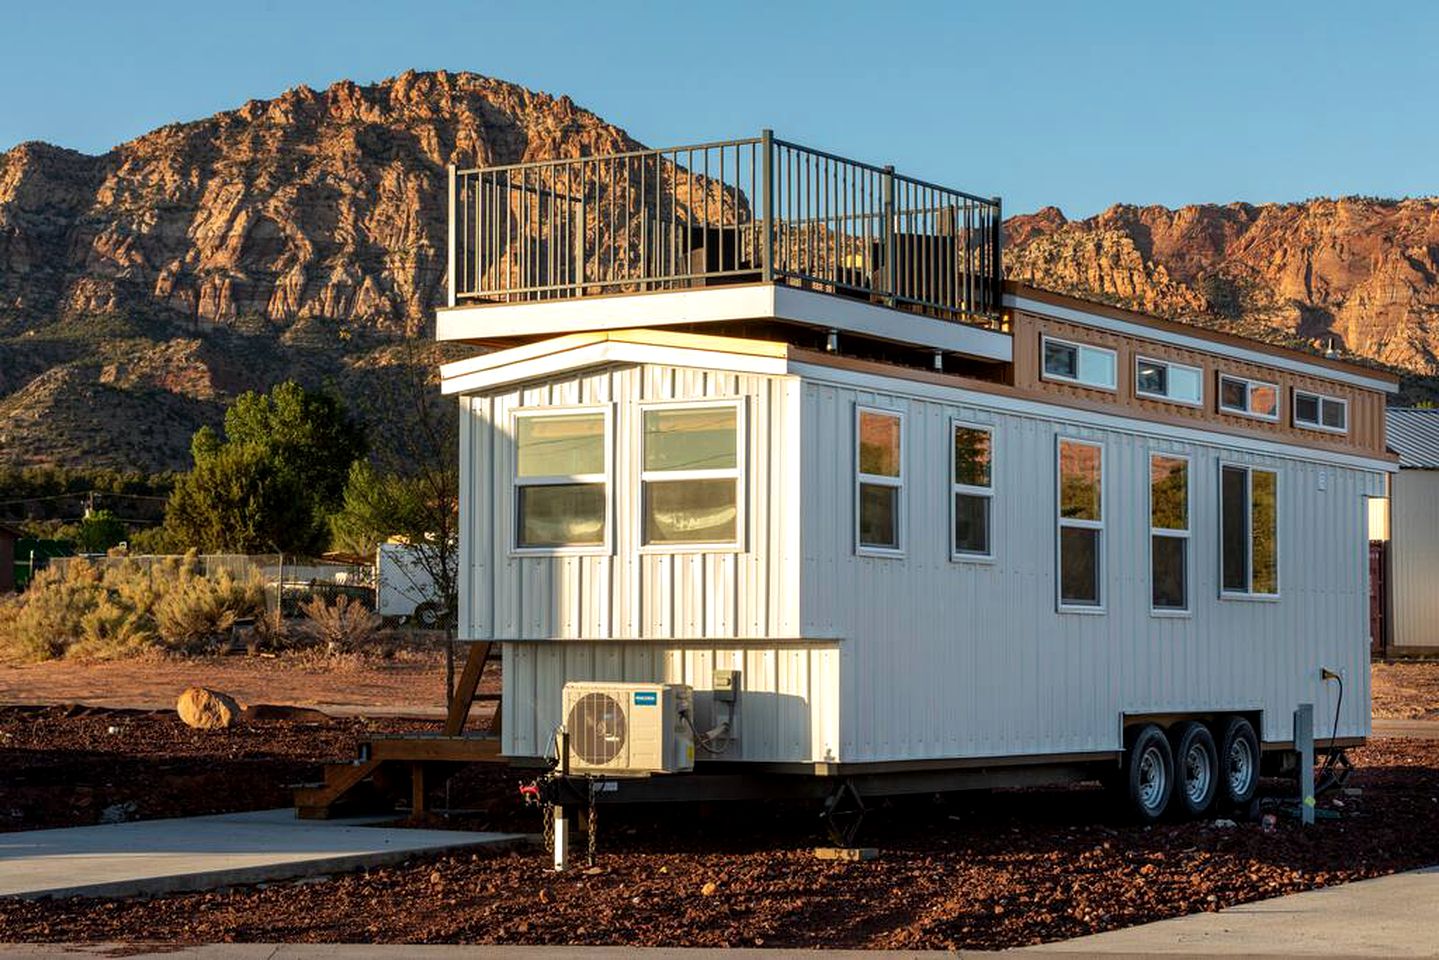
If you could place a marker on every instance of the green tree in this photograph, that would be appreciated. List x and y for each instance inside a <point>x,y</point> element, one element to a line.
<point>272,480</point>
<point>99,532</point>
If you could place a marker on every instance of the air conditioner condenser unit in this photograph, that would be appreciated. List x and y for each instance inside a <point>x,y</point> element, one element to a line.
<point>629,728</point>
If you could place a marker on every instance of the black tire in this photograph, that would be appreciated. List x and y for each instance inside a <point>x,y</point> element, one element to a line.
<point>428,615</point>
<point>1196,769</point>
<point>1148,774</point>
<point>1238,763</point>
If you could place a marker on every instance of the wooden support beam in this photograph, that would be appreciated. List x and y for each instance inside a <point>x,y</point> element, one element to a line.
<point>464,697</point>
<point>417,790</point>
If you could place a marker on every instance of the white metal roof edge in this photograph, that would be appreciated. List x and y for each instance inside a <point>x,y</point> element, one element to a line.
<point>718,304</point>
<point>1413,433</point>
<point>531,367</point>
<point>1071,415</point>
<point>1114,325</point>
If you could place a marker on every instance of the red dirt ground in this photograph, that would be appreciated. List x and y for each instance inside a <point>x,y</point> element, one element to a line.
<point>979,871</point>
<point>1406,691</point>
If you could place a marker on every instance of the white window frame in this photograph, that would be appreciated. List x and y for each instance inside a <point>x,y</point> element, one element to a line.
<point>1249,384</point>
<point>1249,594</point>
<point>1186,534</point>
<point>1045,340</point>
<point>1170,365</point>
<point>607,479</point>
<point>737,472</point>
<point>956,488</point>
<point>902,513</point>
<point>1321,399</point>
<point>1061,522</point>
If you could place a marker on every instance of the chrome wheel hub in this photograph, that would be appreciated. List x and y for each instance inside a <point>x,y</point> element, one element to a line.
<point>1198,774</point>
<point>1152,782</point>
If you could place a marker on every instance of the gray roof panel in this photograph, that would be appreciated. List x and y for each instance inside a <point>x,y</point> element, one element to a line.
<point>1413,433</point>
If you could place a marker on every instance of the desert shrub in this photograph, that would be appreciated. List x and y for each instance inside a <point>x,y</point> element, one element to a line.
<point>344,626</point>
<point>49,616</point>
<point>195,610</point>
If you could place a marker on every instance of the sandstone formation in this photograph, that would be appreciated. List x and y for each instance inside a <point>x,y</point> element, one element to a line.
<point>206,709</point>
<point>303,237</point>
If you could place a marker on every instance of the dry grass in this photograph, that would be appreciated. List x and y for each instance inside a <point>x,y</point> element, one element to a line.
<point>343,627</point>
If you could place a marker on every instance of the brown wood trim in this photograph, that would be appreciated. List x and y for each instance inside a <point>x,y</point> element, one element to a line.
<point>1054,298</point>
<point>1107,406</point>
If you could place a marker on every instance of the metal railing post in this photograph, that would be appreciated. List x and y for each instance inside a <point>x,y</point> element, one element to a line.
<point>766,138</point>
<point>996,265</point>
<point>581,234</point>
<point>450,294</point>
<point>890,273</point>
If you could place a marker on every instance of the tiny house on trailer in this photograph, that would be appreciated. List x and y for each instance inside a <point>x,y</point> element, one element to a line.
<point>774,485</point>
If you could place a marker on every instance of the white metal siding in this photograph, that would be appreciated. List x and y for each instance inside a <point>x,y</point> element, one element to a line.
<point>562,602</point>
<point>966,659</point>
<point>1414,558</point>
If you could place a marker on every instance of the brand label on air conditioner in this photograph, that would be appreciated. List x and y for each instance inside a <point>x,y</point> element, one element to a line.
<point>646,698</point>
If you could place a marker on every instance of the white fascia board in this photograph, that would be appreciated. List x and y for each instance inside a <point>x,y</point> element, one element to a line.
<point>1085,418</point>
<point>715,305</point>
<point>856,316</point>
<point>605,352</point>
<point>585,314</point>
<point>1114,325</point>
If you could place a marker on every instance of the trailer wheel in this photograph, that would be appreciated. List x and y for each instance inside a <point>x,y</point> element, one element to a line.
<point>427,615</point>
<point>1149,773</point>
<point>1238,762</point>
<point>1196,767</point>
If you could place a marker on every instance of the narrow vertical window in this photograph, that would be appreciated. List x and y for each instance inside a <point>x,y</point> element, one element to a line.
<point>1081,523</point>
<point>691,475</point>
<point>1249,531</point>
<point>561,480</point>
<point>973,490</point>
<point>879,482</point>
<point>1169,532</point>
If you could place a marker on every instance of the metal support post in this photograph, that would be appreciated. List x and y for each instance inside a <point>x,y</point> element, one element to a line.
<point>450,245</point>
<point>1304,745</point>
<point>562,839</point>
<point>891,273</point>
<point>767,198</point>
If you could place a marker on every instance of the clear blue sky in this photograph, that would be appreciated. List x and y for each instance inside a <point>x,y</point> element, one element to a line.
<point>1078,104</point>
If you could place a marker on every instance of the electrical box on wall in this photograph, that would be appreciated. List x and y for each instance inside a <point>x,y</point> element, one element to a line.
<point>726,686</point>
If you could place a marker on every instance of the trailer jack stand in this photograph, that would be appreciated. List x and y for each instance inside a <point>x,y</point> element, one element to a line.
<point>843,813</point>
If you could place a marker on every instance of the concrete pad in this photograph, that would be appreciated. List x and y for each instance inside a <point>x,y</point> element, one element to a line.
<point>1395,916</point>
<point>147,857</point>
<point>1413,729</point>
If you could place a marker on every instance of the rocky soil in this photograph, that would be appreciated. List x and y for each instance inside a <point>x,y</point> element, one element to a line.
<point>1406,691</point>
<point>980,871</point>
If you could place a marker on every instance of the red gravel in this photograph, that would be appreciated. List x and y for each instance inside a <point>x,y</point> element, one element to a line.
<point>984,871</point>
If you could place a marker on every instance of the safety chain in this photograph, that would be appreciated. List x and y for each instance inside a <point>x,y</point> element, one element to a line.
<point>590,831</point>
<point>547,812</point>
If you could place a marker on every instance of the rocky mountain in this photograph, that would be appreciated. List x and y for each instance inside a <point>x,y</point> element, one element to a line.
<point>302,237</point>
<point>1358,274</point>
<point>293,237</point>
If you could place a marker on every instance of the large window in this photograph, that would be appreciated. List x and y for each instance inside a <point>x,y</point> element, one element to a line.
<point>973,490</point>
<point>1163,380</point>
<point>1078,363</point>
<point>691,477</point>
<point>1169,533</point>
<point>1252,398</point>
<point>1249,531</point>
<point>879,481</point>
<point>1318,412</point>
<point>1081,524</point>
<point>561,480</point>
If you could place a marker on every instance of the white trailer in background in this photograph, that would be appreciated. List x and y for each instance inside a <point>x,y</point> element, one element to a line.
<point>404,588</point>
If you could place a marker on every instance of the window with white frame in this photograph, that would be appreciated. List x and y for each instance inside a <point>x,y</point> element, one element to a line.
<point>972,479</point>
<point>561,479</point>
<point>1318,412</point>
<point>691,478</point>
<point>1079,363</point>
<point>879,481</point>
<point>1169,532</point>
<point>1164,380</point>
<point>1249,531</point>
<point>1251,398</point>
<point>1081,524</point>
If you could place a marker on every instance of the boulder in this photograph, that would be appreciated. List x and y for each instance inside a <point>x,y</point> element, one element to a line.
<point>206,709</point>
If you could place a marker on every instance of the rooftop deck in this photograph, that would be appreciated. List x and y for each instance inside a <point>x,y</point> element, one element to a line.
<point>758,210</point>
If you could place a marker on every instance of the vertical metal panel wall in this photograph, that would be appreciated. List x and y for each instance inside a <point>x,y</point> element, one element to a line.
<point>1414,560</point>
<point>608,617</point>
<point>968,659</point>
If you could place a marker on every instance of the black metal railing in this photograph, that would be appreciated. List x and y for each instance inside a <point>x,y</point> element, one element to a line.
<point>754,210</point>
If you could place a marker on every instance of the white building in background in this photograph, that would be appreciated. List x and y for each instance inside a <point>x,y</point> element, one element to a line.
<point>1412,565</point>
<point>762,416</point>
